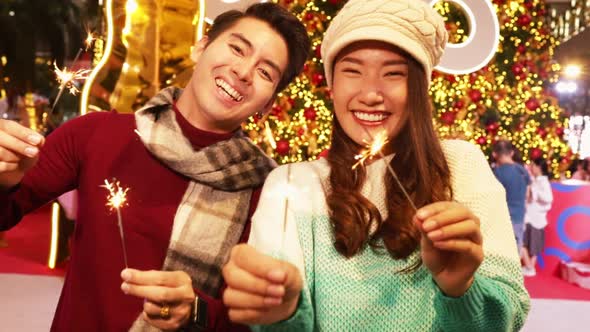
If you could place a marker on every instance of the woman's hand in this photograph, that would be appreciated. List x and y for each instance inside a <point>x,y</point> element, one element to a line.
<point>260,289</point>
<point>451,245</point>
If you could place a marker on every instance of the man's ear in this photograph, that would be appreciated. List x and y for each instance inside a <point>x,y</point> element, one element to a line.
<point>198,48</point>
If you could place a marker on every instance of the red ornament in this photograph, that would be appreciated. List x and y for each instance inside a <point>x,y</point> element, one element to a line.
<point>528,4</point>
<point>335,2</point>
<point>434,75</point>
<point>517,69</point>
<point>524,20</point>
<point>277,110</point>
<point>283,147</point>
<point>536,153</point>
<point>317,79</point>
<point>559,131</point>
<point>474,95</point>
<point>448,117</point>
<point>310,113</point>
<point>451,78</point>
<point>318,51</point>
<point>541,12</point>
<point>324,154</point>
<point>532,104</point>
<point>309,16</point>
<point>492,127</point>
<point>458,104</point>
<point>542,132</point>
<point>291,101</point>
<point>481,140</point>
<point>300,132</point>
<point>521,48</point>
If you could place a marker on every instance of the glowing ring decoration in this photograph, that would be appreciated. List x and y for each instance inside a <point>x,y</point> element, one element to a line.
<point>482,43</point>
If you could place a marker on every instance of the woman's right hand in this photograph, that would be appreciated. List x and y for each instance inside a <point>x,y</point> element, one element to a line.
<point>19,151</point>
<point>261,290</point>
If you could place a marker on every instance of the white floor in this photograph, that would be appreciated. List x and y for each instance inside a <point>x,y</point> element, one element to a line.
<point>27,304</point>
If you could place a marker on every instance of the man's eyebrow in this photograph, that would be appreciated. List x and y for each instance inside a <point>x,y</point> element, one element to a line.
<point>269,62</point>
<point>242,38</point>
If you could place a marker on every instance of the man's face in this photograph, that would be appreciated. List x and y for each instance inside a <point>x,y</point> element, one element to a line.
<point>236,75</point>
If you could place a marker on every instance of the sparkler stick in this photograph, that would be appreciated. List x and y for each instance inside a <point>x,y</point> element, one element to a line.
<point>286,207</point>
<point>116,199</point>
<point>374,148</point>
<point>66,78</point>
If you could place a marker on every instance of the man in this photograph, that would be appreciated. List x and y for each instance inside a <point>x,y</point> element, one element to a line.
<point>193,182</point>
<point>516,180</point>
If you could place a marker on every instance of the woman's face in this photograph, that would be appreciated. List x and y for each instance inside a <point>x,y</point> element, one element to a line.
<point>370,90</point>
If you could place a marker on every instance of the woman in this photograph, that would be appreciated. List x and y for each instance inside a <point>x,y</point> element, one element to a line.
<point>355,256</point>
<point>538,204</point>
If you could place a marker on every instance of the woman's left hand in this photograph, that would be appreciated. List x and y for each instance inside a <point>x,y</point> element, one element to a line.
<point>451,245</point>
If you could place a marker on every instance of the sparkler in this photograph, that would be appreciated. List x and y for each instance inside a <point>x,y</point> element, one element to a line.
<point>287,192</point>
<point>375,148</point>
<point>66,78</point>
<point>89,39</point>
<point>116,199</point>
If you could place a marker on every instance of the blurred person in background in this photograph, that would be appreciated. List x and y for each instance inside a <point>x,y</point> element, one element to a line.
<point>538,204</point>
<point>515,179</point>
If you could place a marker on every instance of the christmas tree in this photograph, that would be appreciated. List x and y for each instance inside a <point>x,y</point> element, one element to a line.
<point>509,98</point>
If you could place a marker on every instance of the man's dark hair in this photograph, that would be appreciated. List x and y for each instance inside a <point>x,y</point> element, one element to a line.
<point>283,22</point>
<point>503,147</point>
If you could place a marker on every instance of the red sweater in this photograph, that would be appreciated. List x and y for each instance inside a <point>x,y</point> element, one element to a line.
<point>81,154</point>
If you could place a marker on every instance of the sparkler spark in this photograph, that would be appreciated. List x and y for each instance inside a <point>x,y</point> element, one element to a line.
<point>89,39</point>
<point>116,199</point>
<point>374,148</point>
<point>66,78</point>
<point>371,149</point>
<point>117,195</point>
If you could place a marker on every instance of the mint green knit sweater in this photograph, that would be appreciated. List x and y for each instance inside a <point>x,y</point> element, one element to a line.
<point>365,292</point>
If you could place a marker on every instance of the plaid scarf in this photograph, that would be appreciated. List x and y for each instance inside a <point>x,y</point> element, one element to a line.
<point>212,214</point>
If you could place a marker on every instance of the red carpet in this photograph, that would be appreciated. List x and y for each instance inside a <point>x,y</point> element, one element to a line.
<point>544,286</point>
<point>28,246</point>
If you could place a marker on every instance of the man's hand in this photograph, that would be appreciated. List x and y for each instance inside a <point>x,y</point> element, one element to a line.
<point>451,245</point>
<point>168,295</point>
<point>19,151</point>
<point>260,289</point>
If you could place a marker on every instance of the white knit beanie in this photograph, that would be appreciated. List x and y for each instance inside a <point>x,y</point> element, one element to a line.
<point>411,25</point>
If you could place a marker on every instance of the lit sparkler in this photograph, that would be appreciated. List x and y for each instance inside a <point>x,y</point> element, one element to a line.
<point>89,39</point>
<point>116,199</point>
<point>66,79</point>
<point>375,148</point>
<point>372,148</point>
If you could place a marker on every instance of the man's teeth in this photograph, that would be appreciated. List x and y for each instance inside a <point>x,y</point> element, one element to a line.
<point>229,90</point>
<point>373,117</point>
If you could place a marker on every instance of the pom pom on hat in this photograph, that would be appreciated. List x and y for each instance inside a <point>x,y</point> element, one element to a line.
<point>411,25</point>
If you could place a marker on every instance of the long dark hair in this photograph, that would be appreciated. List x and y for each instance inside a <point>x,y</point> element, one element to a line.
<point>420,165</point>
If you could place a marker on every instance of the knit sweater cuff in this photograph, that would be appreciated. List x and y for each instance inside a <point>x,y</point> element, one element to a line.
<point>301,320</point>
<point>463,308</point>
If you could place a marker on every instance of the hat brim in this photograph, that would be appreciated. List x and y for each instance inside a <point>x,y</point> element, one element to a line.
<point>376,33</point>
